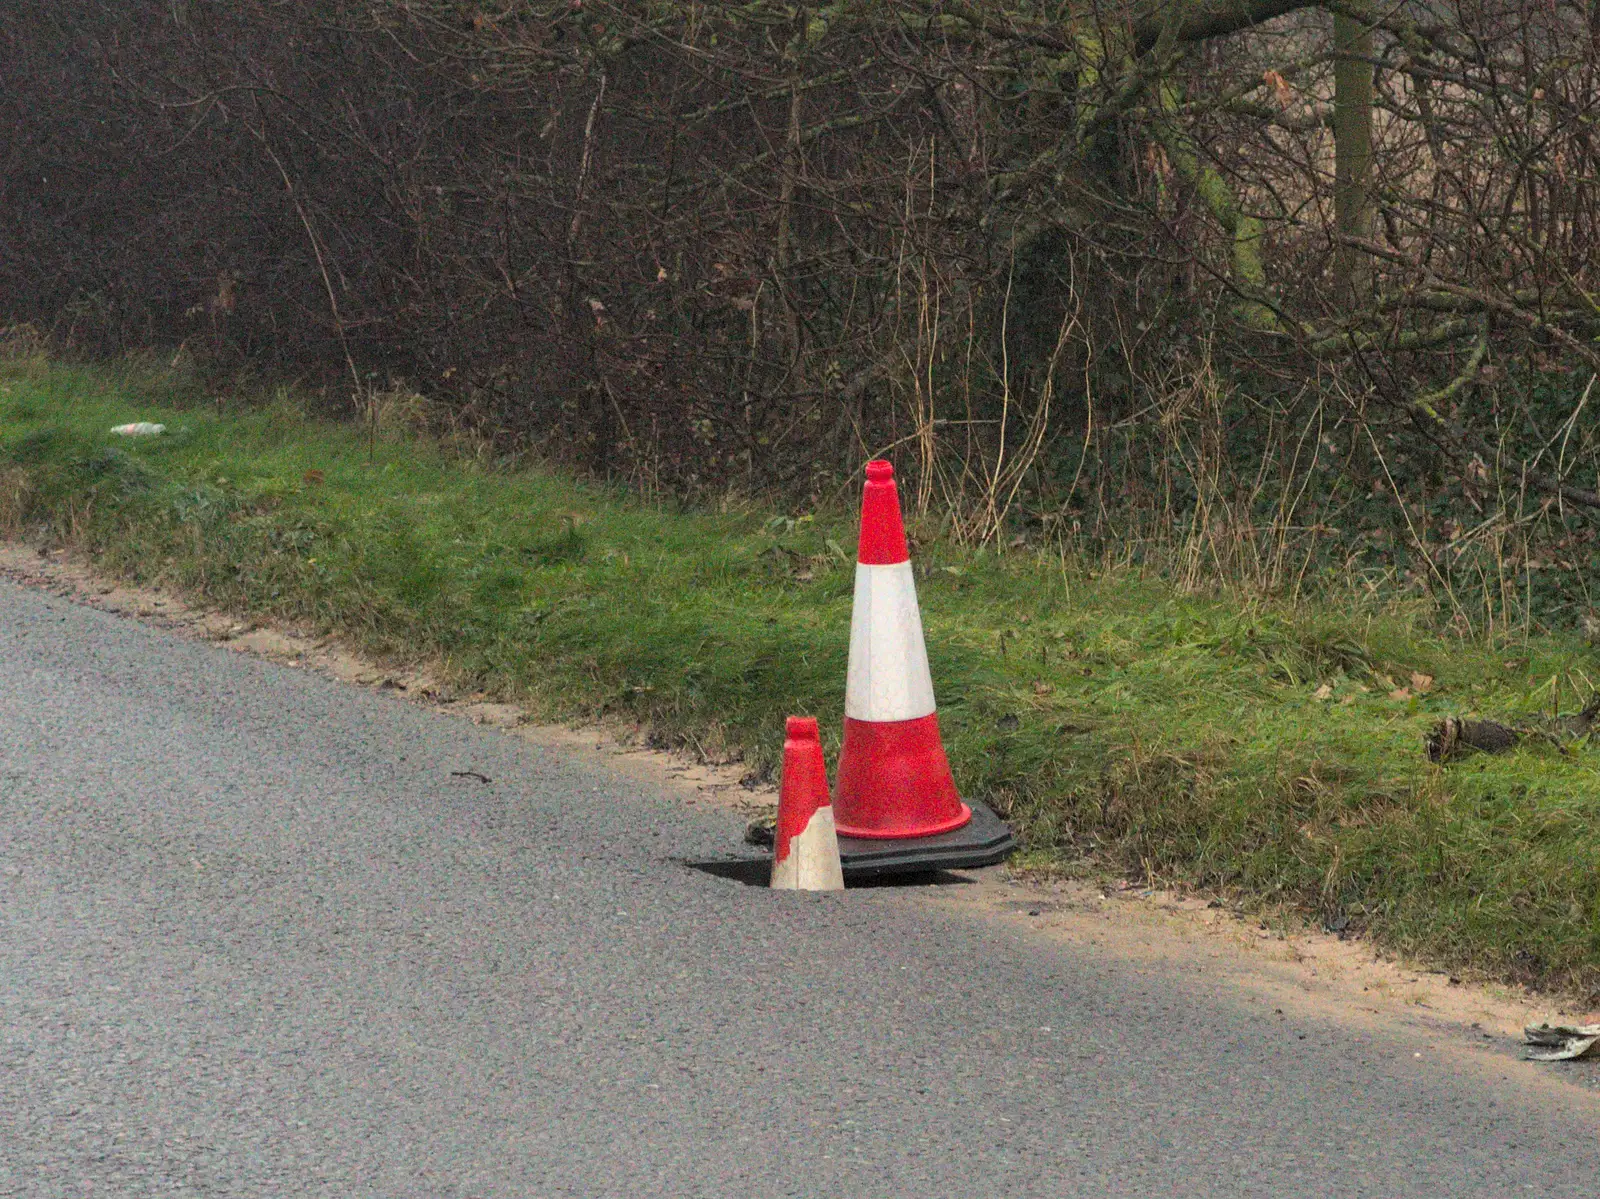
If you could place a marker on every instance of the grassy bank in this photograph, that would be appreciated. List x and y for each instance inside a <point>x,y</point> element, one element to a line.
<point>1268,753</point>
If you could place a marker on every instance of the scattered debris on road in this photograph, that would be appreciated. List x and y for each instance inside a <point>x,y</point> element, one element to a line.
<point>1560,1042</point>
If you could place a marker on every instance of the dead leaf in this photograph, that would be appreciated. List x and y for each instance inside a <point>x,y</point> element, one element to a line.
<point>1421,683</point>
<point>314,478</point>
<point>1156,159</point>
<point>1043,688</point>
<point>1280,87</point>
<point>1401,693</point>
<point>1323,692</point>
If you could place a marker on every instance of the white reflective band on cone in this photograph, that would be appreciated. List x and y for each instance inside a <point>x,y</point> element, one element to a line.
<point>813,860</point>
<point>889,677</point>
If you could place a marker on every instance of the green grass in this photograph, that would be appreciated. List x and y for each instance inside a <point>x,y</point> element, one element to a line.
<point>1122,726</point>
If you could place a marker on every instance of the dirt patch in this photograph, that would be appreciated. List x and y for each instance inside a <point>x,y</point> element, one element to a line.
<point>1291,975</point>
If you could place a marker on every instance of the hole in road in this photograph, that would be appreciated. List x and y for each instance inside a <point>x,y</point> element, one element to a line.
<point>910,878</point>
<point>757,872</point>
<point>752,872</point>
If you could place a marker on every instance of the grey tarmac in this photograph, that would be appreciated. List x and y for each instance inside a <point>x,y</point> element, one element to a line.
<point>260,937</point>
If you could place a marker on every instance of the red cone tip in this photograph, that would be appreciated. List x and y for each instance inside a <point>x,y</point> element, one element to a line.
<point>804,788</point>
<point>883,535</point>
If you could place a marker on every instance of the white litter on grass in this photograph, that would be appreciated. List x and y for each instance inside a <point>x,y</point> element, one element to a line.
<point>1560,1042</point>
<point>139,428</point>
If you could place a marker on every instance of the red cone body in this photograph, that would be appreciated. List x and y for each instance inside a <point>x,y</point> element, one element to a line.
<point>894,778</point>
<point>805,852</point>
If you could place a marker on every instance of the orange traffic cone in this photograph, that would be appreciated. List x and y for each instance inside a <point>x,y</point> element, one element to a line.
<point>805,855</point>
<point>894,778</point>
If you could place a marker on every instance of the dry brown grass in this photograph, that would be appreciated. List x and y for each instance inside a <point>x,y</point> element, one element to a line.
<point>15,493</point>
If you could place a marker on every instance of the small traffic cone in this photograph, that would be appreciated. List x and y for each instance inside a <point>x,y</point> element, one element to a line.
<point>894,778</point>
<point>805,851</point>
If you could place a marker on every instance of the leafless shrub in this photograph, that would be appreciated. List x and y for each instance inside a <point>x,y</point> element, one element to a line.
<point>22,344</point>
<point>1206,274</point>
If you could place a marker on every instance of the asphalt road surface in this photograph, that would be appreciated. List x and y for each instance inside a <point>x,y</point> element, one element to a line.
<point>256,940</point>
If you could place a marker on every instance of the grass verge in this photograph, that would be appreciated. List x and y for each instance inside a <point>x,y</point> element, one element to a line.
<point>1267,753</point>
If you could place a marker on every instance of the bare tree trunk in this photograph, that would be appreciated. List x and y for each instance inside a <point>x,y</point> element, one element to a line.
<point>784,249</point>
<point>1352,155</point>
<point>585,313</point>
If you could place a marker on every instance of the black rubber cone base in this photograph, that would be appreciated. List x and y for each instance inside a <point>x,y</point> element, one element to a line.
<point>982,841</point>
